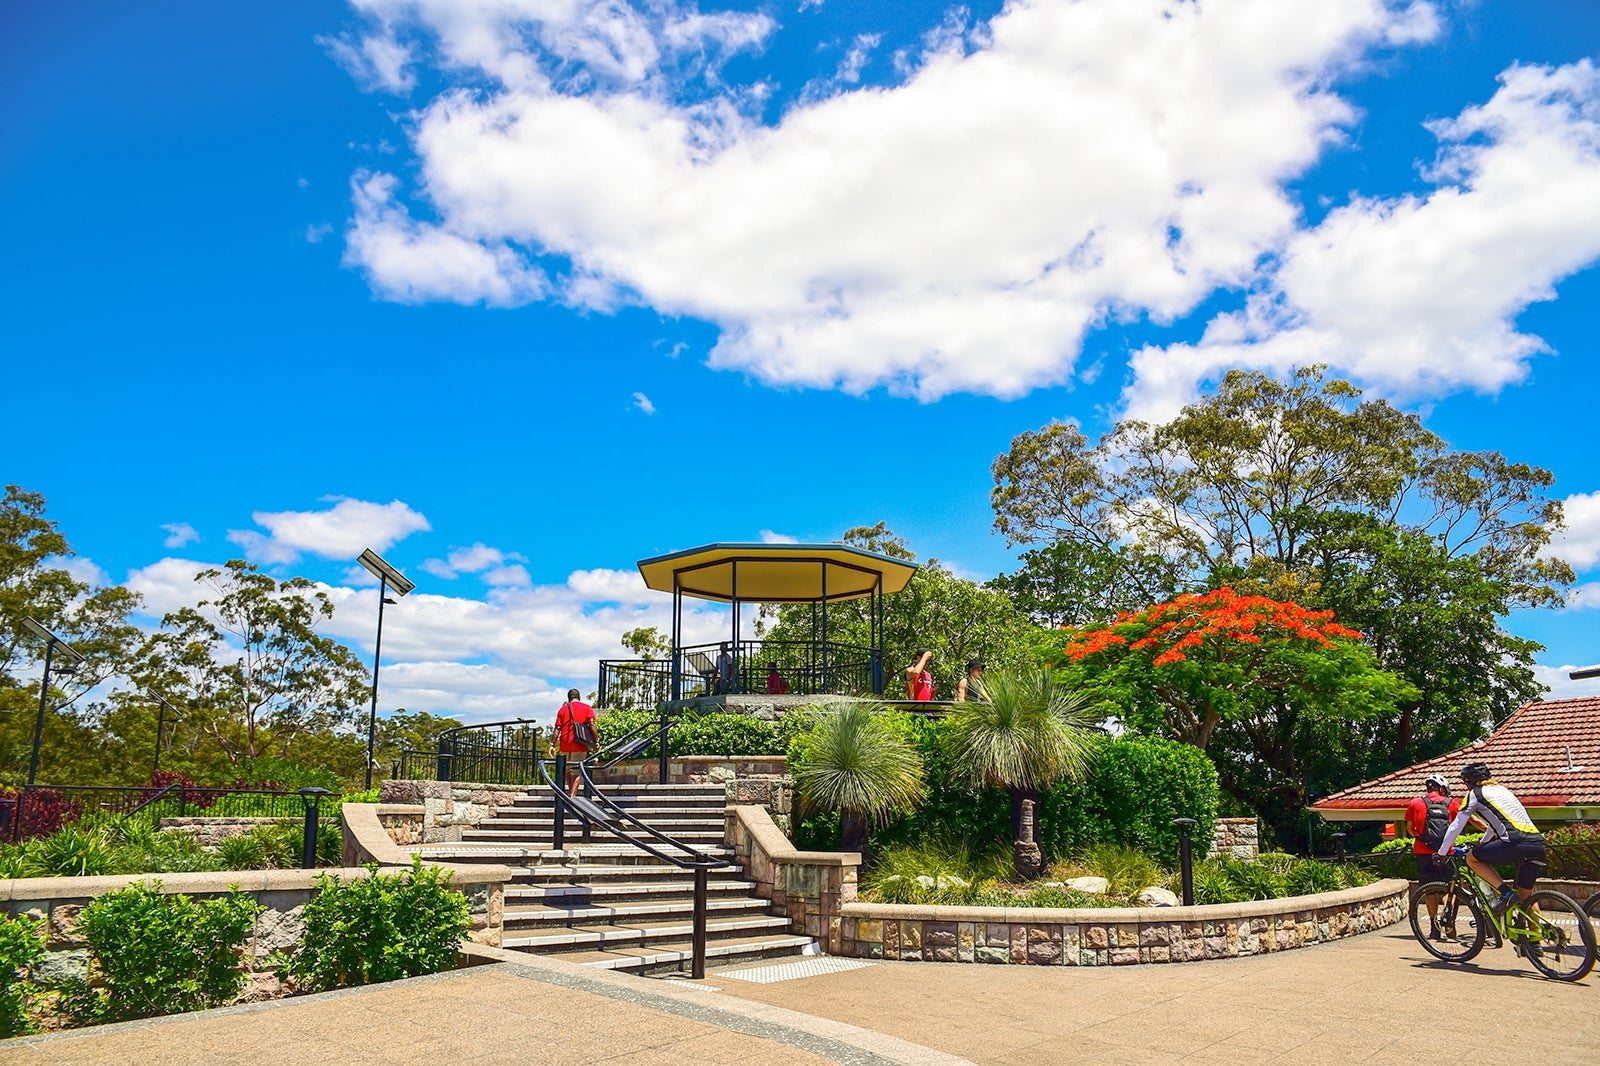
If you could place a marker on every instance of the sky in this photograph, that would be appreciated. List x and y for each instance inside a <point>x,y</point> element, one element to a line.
<point>519,292</point>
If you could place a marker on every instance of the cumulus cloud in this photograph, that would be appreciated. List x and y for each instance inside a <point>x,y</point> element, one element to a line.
<point>642,402</point>
<point>770,537</point>
<point>1584,597</point>
<point>340,532</point>
<point>179,534</point>
<point>1562,686</point>
<point>1419,295</point>
<point>1579,543</point>
<point>477,559</point>
<point>1029,180</point>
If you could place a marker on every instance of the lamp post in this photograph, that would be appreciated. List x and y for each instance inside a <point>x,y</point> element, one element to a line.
<point>1585,674</point>
<point>388,579</point>
<point>52,642</point>
<point>161,720</point>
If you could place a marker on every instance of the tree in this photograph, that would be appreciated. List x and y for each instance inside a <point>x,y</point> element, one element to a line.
<point>249,665</point>
<point>1030,733</point>
<point>958,619</point>
<point>93,619</point>
<point>854,762</point>
<point>1263,686</point>
<point>1071,582</point>
<point>1302,489</point>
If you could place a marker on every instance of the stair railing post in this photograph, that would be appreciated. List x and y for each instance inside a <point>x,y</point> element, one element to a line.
<point>558,810</point>
<point>698,965</point>
<point>661,744</point>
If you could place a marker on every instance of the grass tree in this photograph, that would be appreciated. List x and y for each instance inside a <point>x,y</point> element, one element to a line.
<point>1031,732</point>
<point>854,762</point>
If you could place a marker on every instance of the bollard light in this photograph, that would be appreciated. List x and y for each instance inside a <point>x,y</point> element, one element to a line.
<point>1185,859</point>
<point>311,799</point>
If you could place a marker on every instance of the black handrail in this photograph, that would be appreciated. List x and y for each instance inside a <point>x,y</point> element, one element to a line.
<point>701,864</point>
<point>142,804</point>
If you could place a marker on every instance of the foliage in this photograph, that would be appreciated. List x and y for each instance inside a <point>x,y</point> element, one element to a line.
<point>1127,870</point>
<point>933,872</point>
<point>1271,876</point>
<point>1574,852</point>
<point>165,954</point>
<point>369,795</point>
<point>1074,582</point>
<point>43,811</point>
<point>711,733</point>
<point>855,761</point>
<point>380,928</point>
<point>1274,681</point>
<point>21,947</point>
<point>955,618</point>
<point>249,665</point>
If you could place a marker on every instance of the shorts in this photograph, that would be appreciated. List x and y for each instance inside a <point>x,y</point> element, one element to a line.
<point>1433,868</point>
<point>1528,853</point>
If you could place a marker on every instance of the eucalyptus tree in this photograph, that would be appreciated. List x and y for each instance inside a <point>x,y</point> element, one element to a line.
<point>855,762</point>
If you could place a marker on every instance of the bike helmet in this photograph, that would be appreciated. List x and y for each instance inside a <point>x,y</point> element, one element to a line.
<point>1436,783</point>
<point>1475,773</point>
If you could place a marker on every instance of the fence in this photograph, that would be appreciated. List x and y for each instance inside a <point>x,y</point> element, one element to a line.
<point>505,753</point>
<point>802,668</point>
<point>39,810</point>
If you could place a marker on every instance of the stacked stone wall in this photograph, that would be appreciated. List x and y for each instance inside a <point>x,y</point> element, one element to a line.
<point>448,807</point>
<point>1235,838</point>
<point>209,832</point>
<point>811,888</point>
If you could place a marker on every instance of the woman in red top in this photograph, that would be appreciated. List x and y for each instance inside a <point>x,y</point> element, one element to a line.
<point>919,683</point>
<point>572,711</point>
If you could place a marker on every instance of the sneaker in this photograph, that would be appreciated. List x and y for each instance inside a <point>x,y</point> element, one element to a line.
<point>1434,934</point>
<point>1504,900</point>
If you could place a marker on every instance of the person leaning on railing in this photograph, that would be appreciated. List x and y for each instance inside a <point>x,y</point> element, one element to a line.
<point>570,720</point>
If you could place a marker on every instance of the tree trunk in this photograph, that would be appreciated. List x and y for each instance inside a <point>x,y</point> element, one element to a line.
<point>853,833</point>
<point>1017,797</point>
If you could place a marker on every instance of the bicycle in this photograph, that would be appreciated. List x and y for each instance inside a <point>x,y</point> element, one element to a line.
<point>1548,928</point>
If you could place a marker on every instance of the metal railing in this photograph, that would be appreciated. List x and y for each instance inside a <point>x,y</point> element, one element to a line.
<point>496,753</point>
<point>595,811</point>
<point>39,810</point>
<point>793,667</point>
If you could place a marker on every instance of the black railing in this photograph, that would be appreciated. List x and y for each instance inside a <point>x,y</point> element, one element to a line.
<point>39,810</point>
<point>792,667</point>
<point>495,753</point>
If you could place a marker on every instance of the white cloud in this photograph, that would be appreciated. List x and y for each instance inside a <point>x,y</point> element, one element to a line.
<point>340,532</point>
<point>642,402</point>
<point>82,570</point>
<point>1584,597</point>
<point>1028,173</point>
<point>179,534</point>
<point>1419,295</point>
<point>1579,543</point>
<point>1561,686</point>
<point>507,576</point>
<point>479,559</point>
<point>376,61</point>
<point>770,537</point>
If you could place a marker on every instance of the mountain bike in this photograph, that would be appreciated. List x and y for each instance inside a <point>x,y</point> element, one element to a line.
<point>1548,928</point>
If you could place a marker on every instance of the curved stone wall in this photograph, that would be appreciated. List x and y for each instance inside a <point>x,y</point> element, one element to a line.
<point>1113,936</point>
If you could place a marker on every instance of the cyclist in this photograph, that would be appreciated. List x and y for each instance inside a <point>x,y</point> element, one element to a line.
<point>1509,835</point>
<point>1428,817</point>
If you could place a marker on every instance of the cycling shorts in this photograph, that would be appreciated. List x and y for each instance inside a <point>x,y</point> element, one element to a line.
<point>1433,868</point>
<point>1528,854</point>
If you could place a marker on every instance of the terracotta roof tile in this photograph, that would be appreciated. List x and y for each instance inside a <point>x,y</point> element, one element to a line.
<point>1529,754</point>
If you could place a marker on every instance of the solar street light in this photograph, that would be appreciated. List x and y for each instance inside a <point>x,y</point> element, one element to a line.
<point>1585,674</point>
<point>51,643</point>
<point>389,579</point>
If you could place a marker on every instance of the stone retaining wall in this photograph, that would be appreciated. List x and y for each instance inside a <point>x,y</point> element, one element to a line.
<point>282,893</point>
<point>1113,937</point>
<point>1235,838</point>
<point>448,807</point>
<point>209,832</point>
<point>694,769</point>
<point>809,887</point>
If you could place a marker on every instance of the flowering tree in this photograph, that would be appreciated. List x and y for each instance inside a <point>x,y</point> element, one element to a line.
<point>1262,685</point>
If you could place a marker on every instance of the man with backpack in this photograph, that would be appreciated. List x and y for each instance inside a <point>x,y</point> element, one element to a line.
<point>575,736</point>
<point>1428,817</point>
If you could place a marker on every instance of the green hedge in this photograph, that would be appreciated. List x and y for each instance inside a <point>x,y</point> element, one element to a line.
<point>716,733</point>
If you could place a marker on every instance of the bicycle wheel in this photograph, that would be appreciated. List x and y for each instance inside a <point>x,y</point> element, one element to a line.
<point>1460,921</point>
<point>1562,945</point>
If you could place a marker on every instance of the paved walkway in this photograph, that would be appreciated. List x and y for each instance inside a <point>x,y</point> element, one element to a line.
<point>1353,1001</point>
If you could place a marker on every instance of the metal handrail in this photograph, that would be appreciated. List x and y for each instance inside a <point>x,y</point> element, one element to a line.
<point>142,804</point>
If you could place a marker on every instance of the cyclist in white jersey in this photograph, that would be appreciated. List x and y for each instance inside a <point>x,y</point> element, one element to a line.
<point>1509,834</point>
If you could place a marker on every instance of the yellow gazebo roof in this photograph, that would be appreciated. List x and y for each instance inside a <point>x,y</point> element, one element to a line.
<point>776,573</point>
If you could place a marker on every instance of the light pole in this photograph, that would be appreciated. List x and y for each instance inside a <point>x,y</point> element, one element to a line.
<point>388,578</point>
<point>1585,674</point>
<point>51,643</point>
<point>161,713</point>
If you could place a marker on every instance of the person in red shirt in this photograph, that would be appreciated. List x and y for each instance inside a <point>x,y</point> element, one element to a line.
<point>574,710</point>
<point>1428,817</point>
<point>919,683</point>
<point>776,686</point>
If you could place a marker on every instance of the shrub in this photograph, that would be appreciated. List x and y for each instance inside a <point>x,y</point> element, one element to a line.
<point>71,851</point>
<point>1574,852</point>
<point>160,954</point>
<point>368,796</point>
<point>1127,870</point>
<point>933,872</point>
<point>1213,885</point>
<point>21,946</point>
<point>43,812</point>
<point>713,733</point>
<point>380,928</point>
<point>243,852</point>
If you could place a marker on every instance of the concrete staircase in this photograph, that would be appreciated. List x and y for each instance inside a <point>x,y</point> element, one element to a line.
<point>608,904</point>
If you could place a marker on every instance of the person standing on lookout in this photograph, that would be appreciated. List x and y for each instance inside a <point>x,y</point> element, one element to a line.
<point>575,735</point>
<point>919,683</point>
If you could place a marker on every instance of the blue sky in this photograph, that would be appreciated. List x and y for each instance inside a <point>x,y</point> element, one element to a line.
<point>523,292</point>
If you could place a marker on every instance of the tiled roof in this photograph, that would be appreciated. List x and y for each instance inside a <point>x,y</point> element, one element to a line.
<point>1529,754</point>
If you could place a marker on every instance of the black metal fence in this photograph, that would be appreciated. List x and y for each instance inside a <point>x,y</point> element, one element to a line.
<point>39,810</point>
<point>501,753</point>
<point>793,667</point>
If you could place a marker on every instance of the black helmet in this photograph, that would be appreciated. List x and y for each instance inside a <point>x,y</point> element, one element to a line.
<point>1475,773</point>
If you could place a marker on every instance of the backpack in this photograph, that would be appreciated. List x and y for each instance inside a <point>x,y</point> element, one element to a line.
<point>1438,822</point>
<point>583,733</point>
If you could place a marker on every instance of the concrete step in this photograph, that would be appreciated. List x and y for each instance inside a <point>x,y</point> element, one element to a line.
<point>664,821</point>
<point>536,917</point>
<point>589,936</point>
<point>663,888</point>
<point>678,955</point>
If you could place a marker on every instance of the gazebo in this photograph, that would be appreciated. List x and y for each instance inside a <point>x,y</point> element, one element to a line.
<point>738,574</point>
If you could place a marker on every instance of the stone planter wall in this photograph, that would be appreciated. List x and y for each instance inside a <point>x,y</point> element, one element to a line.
<point>695,769</point>
<point>209,832</point>
<point>1114,937</point>
<point>1235,838</point>
<point>282,893</point>
<point>810,887</point>
<point>448,807</point>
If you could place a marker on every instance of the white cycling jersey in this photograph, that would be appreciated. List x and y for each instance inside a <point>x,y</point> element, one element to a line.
<point>1501,811</point>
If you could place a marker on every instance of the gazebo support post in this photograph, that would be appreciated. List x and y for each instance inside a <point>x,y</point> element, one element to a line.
<point>677,635</point>
<point>825,685</point>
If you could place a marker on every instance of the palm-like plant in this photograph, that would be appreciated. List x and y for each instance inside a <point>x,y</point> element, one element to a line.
<point>1030,733</point>
<point>855,763</point>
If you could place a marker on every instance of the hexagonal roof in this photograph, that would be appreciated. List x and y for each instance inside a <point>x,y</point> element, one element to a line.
<point>776,573</point>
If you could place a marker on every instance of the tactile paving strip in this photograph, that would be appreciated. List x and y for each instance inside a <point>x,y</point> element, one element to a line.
<point>789,971</point>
